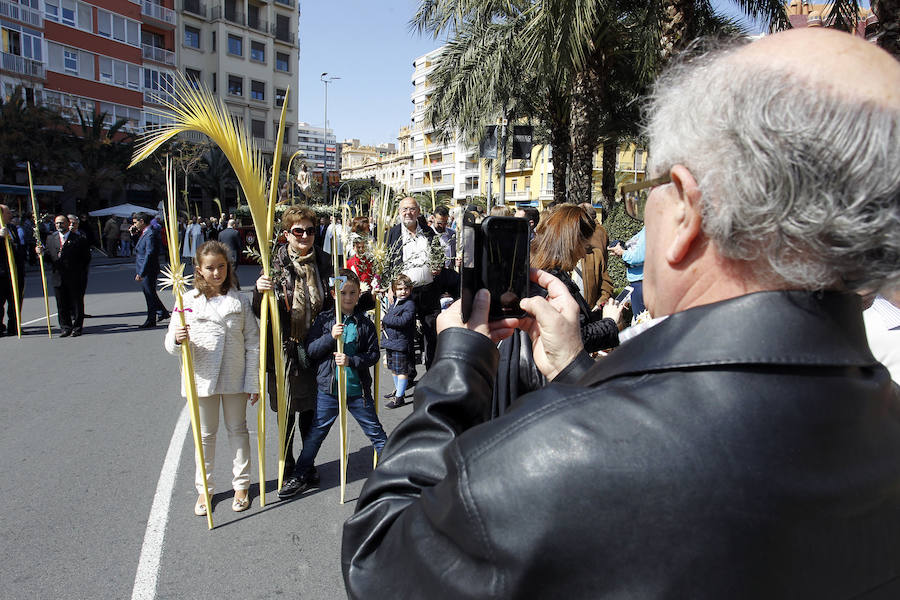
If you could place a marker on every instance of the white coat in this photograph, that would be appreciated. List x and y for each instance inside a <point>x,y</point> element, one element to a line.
<point>225,346</point>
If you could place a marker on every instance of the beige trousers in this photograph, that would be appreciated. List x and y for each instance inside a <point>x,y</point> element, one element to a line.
<point>235,410</point>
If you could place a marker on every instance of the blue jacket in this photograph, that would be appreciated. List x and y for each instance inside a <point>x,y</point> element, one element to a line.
<point>146,262</point>
<point>398,325</point>
<point>320,346</point>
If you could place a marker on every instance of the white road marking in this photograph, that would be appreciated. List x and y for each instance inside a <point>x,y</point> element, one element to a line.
<point>33,321</point>
<point>148,566</point>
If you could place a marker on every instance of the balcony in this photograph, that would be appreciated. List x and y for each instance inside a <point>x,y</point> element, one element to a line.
<point>21,65</point>
<point>290,3</point>
<point>21,13</point>
<point>257,24</point>
<point>195,7</point>
<point>283,35</point>
<point>157,12</point>
<point>519,195</point>
<point>157,97</point>
<point>230,15</point>
<point>160,55</point>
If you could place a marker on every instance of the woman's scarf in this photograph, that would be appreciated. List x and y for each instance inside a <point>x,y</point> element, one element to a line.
<point>307,293</point>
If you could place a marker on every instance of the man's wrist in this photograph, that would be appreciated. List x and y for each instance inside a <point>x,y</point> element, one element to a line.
<point>576,368</point>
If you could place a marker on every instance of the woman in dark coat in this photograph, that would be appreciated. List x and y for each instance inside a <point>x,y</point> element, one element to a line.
<point>300,276</point>
<point>562,238</point>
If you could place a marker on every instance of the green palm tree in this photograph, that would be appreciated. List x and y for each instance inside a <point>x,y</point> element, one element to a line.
<point>215,176</point>
<point>102,152</point>
<point>888,13</point>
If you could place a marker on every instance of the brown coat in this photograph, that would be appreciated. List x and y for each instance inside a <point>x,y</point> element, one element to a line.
<point>598,286</point>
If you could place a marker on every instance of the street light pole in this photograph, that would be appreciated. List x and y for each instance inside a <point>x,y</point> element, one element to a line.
<point>324,78</point>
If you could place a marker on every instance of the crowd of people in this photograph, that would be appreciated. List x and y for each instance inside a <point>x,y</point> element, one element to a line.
<point>739,442</point>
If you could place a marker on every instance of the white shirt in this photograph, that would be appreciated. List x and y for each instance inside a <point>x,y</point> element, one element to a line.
<point>416,264</point>
<point>882,321</point>
<point>329,234</point>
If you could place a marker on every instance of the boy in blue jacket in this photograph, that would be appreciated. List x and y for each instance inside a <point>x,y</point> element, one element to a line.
<point>398,326</point>
<point>360,352</point>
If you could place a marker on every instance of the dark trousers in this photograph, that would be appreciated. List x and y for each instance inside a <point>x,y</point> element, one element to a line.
<point>304,425</point>
<point>427,299</point>
<point>155,307</point>
<point>637,297</point>
<point>70,303</point>
<point>7,299</point>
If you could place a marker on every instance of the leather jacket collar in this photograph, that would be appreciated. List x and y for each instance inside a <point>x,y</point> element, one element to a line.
<point>827,330</point>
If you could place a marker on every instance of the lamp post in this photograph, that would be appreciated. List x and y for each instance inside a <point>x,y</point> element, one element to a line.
<point>326,79</point>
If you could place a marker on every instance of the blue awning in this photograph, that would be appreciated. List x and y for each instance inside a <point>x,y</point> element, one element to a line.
<point>22,190</point>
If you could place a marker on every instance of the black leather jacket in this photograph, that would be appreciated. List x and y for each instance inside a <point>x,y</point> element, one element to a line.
<point>743,449</point>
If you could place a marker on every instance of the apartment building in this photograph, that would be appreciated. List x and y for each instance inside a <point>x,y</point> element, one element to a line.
<point>320,149</point>
<point>386,163</point>
<point>104,57</point>
<point>246,52</point>
<point>438,167</point>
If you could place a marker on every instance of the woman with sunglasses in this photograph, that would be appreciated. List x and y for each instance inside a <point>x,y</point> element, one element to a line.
<point>300,274</point>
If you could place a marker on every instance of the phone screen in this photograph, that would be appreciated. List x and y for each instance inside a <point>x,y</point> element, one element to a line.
<point>504,268</point>
<point>469,249</point>
<point>624,295</point>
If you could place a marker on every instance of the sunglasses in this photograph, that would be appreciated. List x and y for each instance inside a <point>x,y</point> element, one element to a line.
<point>634,195</point>
<point>300,231</point>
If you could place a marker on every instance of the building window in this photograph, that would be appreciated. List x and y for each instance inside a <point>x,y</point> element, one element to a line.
<point>282,62</point>
<point>258,129</point>
<point>215,82</point>
<point>235,86</point>
<point>193,77</point>
<point>235,45</point>
<point>192,37</point>
<point>258,51</point>
<point>213,40</point>
<point>279,96</point>
<point>51,10</point>
<point>70,61</point>
<point>258,90</point>
<point>68,12</point>
<point>515,184</point>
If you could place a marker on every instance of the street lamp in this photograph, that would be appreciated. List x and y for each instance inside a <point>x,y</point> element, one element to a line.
<point>326,79</point>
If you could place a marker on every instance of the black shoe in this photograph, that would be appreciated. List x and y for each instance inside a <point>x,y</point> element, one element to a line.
<point>292,487</point>
<point>147,324</point>
<point>66,333</point>
<point>411,383</point>
<point>312,477</point>
<point>395,403</point>
<point>391,395</point>
<point>76,332</point>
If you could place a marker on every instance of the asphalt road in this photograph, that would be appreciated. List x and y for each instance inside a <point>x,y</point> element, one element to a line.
<point>86,426</point>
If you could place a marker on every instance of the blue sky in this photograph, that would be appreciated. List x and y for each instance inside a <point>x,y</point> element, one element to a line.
<point>369,45</point>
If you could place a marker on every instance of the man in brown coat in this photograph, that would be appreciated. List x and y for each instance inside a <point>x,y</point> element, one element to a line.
<point>598,287</point>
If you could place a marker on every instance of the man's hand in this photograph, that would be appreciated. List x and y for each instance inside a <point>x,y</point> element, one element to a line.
<point>337,330</point>
<point>478,320</point>
<point>340,359</point>
<point>553,327</point>
<point>618,250</point>
<point>3,232</point>
<point>253,398</point>
<point>138,278</point>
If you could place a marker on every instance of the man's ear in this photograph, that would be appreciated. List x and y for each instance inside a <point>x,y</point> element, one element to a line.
<point>687,221</point>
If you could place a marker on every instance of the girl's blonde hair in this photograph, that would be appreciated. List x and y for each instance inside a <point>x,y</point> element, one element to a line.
<point>211,248</point>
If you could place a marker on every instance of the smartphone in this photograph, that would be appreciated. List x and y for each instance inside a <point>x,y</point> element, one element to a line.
<point>496,257</point>
<point>624,295</point>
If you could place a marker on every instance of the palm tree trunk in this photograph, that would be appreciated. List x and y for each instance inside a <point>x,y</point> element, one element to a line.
<point>558,121</point>
<point>586,115</point>
<point>610,149</point>
<point>677,17</point>
<point>888,13</point>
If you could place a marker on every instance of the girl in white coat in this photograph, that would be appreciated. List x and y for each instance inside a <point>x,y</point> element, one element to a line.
<point>224,338</point>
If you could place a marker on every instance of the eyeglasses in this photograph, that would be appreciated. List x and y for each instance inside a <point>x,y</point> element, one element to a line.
<point>300,231</point>
<point>634,195</point>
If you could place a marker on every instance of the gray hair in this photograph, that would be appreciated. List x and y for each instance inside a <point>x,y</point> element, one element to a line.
<point>800,182</point>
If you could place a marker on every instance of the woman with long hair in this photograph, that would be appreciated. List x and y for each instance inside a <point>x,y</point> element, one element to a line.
<point>300,274</point>
<point>562,238</point>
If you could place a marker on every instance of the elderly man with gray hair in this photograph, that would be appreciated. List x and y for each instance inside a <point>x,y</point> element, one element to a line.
<point>746,446</point>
